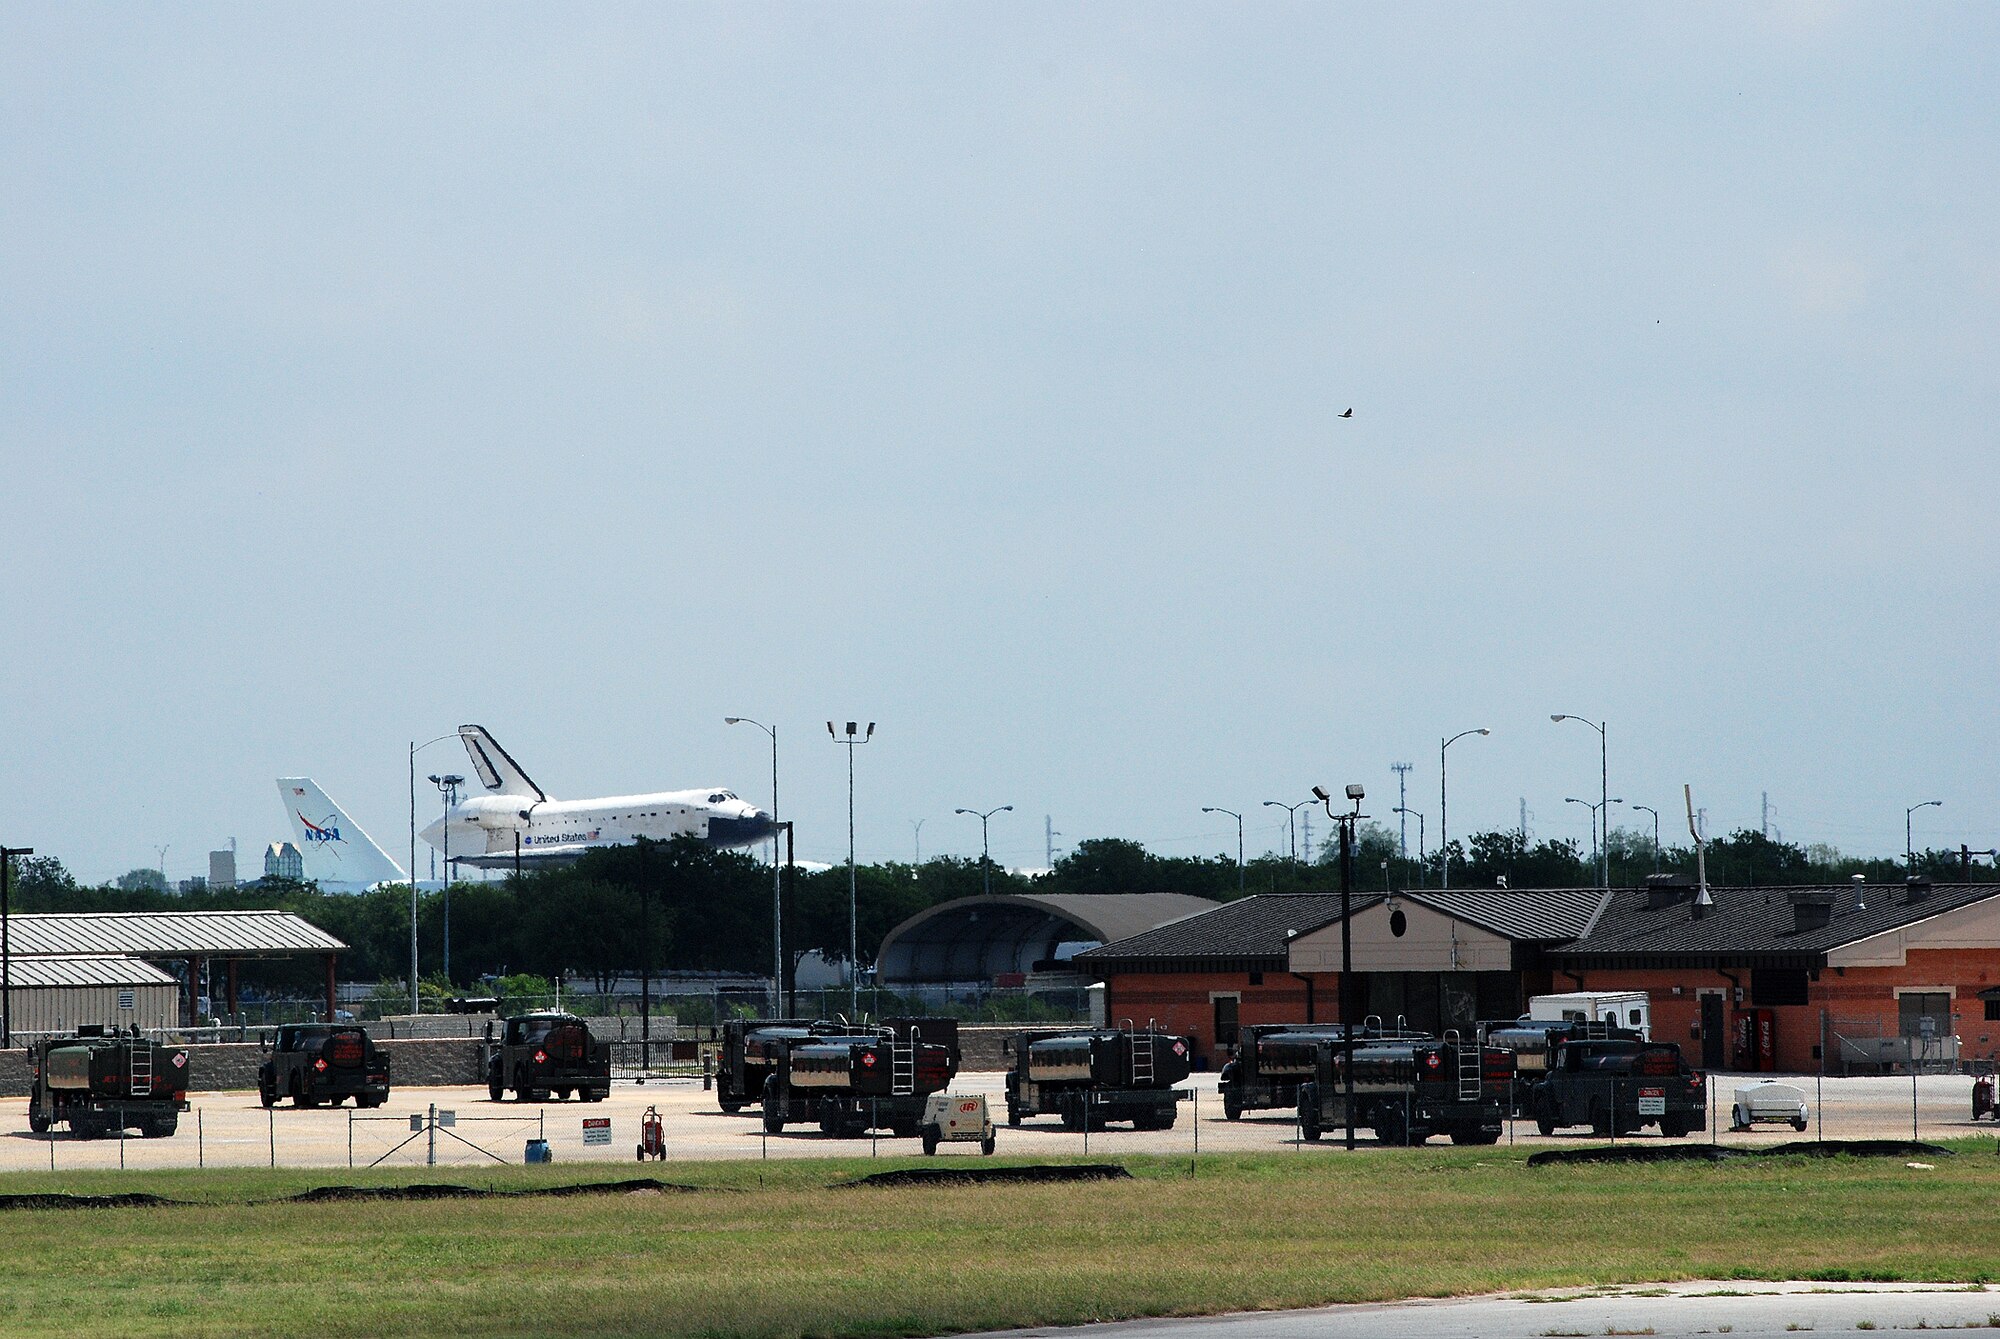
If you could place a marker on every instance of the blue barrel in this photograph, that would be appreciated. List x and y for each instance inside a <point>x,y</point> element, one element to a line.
<point>538,1150</point>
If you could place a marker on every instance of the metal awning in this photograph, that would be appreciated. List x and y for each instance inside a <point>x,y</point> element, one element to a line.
<point>167,934</point>
<point>43,973</point>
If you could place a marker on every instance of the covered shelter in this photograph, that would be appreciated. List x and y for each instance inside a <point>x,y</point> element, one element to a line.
<point>190,937</point>
<point>984,938</point>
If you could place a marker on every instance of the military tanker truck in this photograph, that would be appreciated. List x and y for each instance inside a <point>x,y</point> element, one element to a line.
<point>1090,1077</point>
<point>103,1083</point>
<point>848,1085</point>
<point>1271,1060</point>
<point>544,1052</point>
<point>1406,1091</point>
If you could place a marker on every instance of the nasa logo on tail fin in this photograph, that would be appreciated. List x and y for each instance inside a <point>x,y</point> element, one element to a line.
<point>497,771</point>
<point>333,847</point>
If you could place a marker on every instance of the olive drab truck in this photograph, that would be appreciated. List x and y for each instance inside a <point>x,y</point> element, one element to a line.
<point>751,1051</point>
<point>102,1083</point>
<point>875,1079</point>
<point>1618,1086</point>
<point>543,1054</point>
<point>313,1063</point>
<point>1271,1060</point>
<point>1089,1077</point>
<point>1406,1091</point>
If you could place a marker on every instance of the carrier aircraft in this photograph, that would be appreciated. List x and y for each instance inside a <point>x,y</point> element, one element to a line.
<point>504,805</point>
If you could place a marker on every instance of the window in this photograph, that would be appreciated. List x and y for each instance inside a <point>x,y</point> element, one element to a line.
<point>1992,1010</point>
<point>1777,985</point>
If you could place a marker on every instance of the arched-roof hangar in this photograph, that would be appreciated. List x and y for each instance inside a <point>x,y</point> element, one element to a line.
<point>979,938</point>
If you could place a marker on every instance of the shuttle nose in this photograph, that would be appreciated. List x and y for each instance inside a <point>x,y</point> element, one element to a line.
<point>754,826</point>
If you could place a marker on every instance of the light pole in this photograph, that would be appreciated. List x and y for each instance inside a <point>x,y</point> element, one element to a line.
<point>777,885</point>
<point>1291,821</point>
<point>1444,829</point>
<point>853,739</point>
<point>1656,833</point>
<point>1604,800</point>
<point>448,788</point>
<point>1594,810</point>
<point>7,854</point>
<point>1209,809</point>
<point>416,1002</point>
<point>917,837</point>
<point>985,860</point>
<point>1418,815</point>
<point>1346,823</point>
<point>1909,854</point>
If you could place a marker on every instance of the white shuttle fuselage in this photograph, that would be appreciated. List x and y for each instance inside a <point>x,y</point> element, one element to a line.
<point>507,817</point>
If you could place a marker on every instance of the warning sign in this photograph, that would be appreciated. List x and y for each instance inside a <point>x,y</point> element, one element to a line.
<point>597,1129</point>
<point>1652,1101</point>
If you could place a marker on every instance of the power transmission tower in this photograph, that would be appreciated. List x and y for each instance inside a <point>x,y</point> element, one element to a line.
<point>1049,835</point>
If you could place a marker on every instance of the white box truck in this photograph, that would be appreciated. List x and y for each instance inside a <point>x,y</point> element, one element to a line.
<point>1620,1008</point>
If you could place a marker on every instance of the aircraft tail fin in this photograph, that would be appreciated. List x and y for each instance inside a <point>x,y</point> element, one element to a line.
<point>334,847</point>
<point>497,772</point>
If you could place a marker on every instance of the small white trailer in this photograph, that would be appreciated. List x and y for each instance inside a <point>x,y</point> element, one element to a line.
<point>1619,1008</point>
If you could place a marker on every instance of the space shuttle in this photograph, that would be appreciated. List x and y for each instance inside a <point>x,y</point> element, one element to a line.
<point>506,818</point>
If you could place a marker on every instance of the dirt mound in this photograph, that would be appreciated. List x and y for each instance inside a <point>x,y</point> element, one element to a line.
<point>973,1176</point>
<point>333,1194</point>
<point>129,1201</point>
<point>1830,1148</point>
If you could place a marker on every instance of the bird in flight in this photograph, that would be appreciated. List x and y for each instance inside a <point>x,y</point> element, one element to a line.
<point>1348,414</point>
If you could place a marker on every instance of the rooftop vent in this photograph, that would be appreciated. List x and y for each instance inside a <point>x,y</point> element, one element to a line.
<point>1812,908</point>
<point>1916,889</point>
<point>1666,890</point>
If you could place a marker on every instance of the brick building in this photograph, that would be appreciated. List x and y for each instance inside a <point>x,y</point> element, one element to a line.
<point>1870,976</point>
<point>1436,960</point>
<point>1866,976</point>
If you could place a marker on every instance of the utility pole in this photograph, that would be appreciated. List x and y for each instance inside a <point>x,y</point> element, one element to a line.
<point>853,740</point>
<point>1049,835</point>
<point>1764,825</point>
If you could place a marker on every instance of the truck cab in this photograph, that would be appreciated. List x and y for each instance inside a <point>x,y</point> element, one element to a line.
<point>313,1063</point>
<point>1618,1086</point>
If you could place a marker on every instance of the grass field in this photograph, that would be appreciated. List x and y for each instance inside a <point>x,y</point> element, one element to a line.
<point>782,1249</point>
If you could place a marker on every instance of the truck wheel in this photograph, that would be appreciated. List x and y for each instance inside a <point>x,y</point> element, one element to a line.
<point>1072,1113</point>
<point>1165,1118</point>
<point>986,1145</point>
<point>931,1137</point>
<point>1545,1120</point>
<point>38,1122</point>
<point>774,1112</point>
<point>1232,1105</point>
<point>1013,1115</point>
<point>1309,1112</point>
<point>496,1091</point>
<point>267,1091</point>
<point>1390,1125</point>
<point>1800,1125</point>
<point>730,1106</point>
<point>1600,1122</point>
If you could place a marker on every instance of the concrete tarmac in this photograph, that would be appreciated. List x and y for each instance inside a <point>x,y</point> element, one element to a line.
<point>1738,1309</point>
<point>231,1129</point>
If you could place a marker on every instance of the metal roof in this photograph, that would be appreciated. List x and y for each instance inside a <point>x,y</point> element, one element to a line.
<point>1253,929</point>
<point>24,973</point>
<point>1520,914</point>
<point>168,934</point>
<point>1751,926</point>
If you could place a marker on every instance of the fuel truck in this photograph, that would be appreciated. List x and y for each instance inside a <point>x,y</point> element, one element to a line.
<point>1406,1091</point>
<point>1091,1077</point>
<point>104,1083</point>
<point>1271,1060</point>
<point>865,1080</point>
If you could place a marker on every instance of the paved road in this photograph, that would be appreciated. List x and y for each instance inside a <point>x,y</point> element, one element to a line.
<point>231,1129</point>
<point>1741,1310</point>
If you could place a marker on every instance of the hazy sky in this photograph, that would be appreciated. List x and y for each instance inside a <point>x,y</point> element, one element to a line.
<point>592,373</point>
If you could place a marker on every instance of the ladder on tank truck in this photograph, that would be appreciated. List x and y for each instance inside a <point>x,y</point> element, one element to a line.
<point>1141,1046</point>
<point>903,1064</point>
<point>1468,1060</point>
<point>138,1067</point>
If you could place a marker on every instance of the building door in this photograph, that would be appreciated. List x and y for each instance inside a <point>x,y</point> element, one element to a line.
<point>1713,1031</point>
<point>1225,1019</point>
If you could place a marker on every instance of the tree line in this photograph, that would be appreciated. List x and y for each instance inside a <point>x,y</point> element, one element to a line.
<point>684,905</point>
